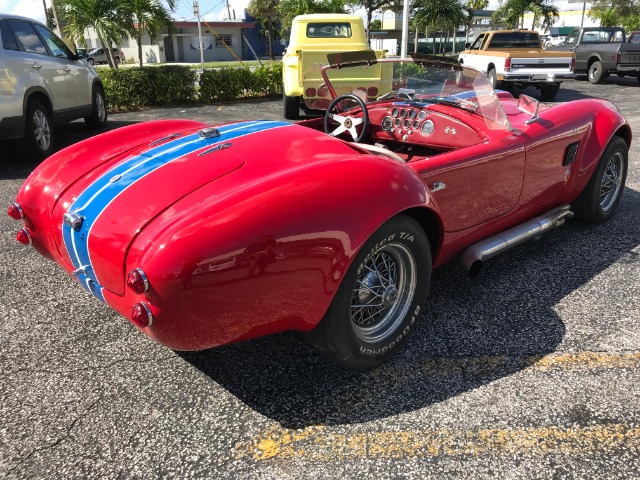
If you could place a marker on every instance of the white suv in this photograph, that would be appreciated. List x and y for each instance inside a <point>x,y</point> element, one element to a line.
<point>42,84</point>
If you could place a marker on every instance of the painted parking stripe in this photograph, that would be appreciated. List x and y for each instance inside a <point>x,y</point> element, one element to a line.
<point>94,200</point>
<point>320,443</point>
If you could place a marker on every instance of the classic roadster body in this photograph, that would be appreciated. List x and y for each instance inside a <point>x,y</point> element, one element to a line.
<point>204,235</point>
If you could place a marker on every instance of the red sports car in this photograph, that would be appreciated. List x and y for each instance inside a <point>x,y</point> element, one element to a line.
<point>203,235</point>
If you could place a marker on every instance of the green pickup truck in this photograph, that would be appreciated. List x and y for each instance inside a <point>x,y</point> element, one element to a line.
<point>313,37</point>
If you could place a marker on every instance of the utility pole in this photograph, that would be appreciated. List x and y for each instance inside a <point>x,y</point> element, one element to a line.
<point>196,12</point>
<point>229,10</point>
<point>584,7</point>
<point>405,29</point>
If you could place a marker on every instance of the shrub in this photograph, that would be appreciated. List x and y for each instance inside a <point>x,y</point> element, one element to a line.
<point>132,88</point>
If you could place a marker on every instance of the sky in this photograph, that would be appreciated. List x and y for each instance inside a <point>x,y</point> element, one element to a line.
<point>210,10</point>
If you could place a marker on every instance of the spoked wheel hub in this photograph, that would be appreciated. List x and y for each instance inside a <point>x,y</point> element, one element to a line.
<point>383,292</point>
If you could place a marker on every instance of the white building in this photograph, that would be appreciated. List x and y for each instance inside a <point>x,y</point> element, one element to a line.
<point>221,41</point>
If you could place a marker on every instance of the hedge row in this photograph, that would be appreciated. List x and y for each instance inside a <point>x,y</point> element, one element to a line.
<point>132,88</point>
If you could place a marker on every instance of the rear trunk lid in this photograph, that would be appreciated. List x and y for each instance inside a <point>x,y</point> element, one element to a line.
<point>111,205</point>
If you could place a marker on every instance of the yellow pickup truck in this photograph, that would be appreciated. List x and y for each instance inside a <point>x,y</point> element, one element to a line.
<point>312,38</point>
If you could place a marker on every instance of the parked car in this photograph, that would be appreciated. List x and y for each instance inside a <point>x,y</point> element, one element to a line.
<point>634,37</point>
<point>98,55</point>
<point>312,38</point>
<point>601,51</point>
<point>333,228</point>
<point>516,58</point>
<point>82,52</point>
<point>43,84</point>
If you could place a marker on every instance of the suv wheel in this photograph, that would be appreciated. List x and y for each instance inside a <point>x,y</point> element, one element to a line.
<point>98,117</point>
<point>38,136</point>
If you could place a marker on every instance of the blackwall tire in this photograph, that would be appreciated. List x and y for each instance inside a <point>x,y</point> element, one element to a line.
<point>380,298</point>
<point>291,107</point>
<point>37,142</point>
<point>98,117</point>
<point>599,200</point>
<point>549,92</point>
<point>596,73</point>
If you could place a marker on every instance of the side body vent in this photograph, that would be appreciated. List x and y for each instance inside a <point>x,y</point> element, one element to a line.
<point>570,153</point>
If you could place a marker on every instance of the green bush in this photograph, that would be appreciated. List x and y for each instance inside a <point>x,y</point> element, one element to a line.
<point>232,83</point>
<point>134,88</point>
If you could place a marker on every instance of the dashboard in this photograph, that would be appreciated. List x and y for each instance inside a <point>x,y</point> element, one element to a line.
<point>423,124</point>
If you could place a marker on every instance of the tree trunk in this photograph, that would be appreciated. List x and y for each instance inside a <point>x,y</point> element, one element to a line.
<point>270,37</point>
<point>107,50</point>
<point>139,40</point>
<point>369,15</point>
<point>454,41</point>
<point>415,41</point>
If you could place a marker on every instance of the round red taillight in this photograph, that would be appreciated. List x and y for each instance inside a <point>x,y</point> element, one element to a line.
<point>141,315</point>
<point>372,91</point>
<point>323,91</point>
<point>137,281</point>
<point>24,236</point>
<point>310,92</point>
<point>15,211</point>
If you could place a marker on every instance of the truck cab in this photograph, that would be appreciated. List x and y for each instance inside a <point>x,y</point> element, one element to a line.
<point>312,38</point>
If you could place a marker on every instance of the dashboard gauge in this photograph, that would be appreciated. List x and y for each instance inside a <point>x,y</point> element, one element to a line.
<point>395,112</point>
<point>387,124</point>
<point>407,123</point>
<point>422,115</point>
<point>415,124</point>
<point>403,114</point>
<point>427,127</point>
<point>412,114</point>
<point>397,122</point>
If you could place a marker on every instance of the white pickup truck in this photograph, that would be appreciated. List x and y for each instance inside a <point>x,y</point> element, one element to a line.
<point>516,57</point>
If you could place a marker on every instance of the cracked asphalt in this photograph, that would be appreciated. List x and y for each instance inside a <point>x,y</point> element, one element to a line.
<point>529,371</point>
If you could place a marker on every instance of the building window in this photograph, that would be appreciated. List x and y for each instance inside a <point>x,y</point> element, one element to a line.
<point>222,40</point>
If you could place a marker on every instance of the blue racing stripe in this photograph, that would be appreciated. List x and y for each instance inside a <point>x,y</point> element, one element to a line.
<point>93,201</point>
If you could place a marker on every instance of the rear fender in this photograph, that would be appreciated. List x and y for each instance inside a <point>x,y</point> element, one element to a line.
<point>245,256</point>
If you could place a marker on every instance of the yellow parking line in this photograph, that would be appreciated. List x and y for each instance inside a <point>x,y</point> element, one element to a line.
<point>317,443</point>
<point>321,443</point>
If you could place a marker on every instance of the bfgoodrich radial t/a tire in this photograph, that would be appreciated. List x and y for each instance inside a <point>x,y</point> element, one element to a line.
<point>380,299</point>
<point>600,198</point>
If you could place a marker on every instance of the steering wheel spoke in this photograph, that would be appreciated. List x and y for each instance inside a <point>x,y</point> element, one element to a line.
<point>347,122</point>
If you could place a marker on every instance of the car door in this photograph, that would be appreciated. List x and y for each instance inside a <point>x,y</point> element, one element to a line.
<point>43,69</point>
<point>472,57</point>
<point>76,72</point>
<point>476,184</point>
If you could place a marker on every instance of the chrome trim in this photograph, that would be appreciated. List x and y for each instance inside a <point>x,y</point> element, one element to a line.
<point>73,220</point>
<point>144,278</point>
<point>437,186</point>
<point>220,146</point>
<point>17,205</point>
<point>168,137</point>
<point>209,132</point>
<point>146,307</point>
<point>82,270</point>
<point>474,256</point>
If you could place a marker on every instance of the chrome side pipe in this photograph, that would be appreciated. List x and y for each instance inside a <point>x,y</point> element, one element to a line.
<point>474,257</point>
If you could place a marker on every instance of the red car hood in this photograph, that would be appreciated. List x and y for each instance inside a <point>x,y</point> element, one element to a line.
<point>113,201</point>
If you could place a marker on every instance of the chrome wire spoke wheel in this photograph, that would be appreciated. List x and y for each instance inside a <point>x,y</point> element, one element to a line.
<point>41,130</point>
<point>383,292</point>
<point>611,182</point>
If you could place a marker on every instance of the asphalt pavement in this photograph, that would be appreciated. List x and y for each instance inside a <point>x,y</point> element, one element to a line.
<point>529,371</point>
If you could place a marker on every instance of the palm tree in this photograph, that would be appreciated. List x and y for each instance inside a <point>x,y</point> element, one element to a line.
<point>608,17</point>
<point>106,17</point>
<point>148,16</point>
<point>511,12</point>
<point>288,9</point>
<point>265,10</point>
<point>442,15</point>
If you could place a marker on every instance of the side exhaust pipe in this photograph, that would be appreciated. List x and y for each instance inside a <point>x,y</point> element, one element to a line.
<point>474,257</point>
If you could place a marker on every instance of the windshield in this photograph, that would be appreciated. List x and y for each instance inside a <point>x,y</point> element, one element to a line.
<point>421,82</point>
